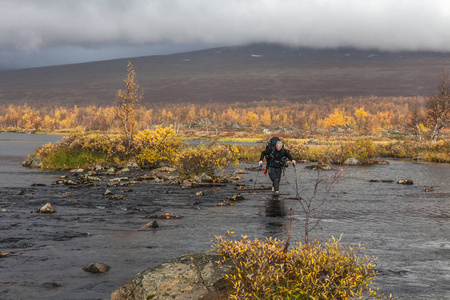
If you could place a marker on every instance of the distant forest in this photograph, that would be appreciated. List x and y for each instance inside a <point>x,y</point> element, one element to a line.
<point>370,114</point>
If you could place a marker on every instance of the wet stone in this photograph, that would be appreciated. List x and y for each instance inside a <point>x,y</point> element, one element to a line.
<point>204,178</point>
<point>118,197</point>
<point>119,179</point>
<point>46,209</point>
<point>240,172</point>
<point>405,181</point>
<point>107,192</point>
<point>225,203</point>
<point>69,182</point>
<point>382,180</point>
<point>186,184</point>
<point>253,168</point>
<point>151,224</point>
<point>351,161</point>
<point>234,178</point>
<point>96,268</point>
<point>237,197</point>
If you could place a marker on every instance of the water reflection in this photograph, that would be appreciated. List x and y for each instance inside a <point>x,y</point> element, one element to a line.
<point>274,220</point>
<point>275,207</point>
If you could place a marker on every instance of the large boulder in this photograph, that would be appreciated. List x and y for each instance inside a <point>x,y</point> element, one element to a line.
<point>191,276</point>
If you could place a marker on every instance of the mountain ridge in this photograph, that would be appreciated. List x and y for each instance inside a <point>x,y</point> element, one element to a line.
<point>232,74</point>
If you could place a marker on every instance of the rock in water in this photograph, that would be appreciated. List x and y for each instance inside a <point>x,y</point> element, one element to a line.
<point>107,192</point>
<point>96,268</point>
<point>193,276</point>
<point>240,172</point>
<point>237,197</point>
<point>118,197</point>
<point>351,161</point>
<point>46,209</point>
<point>405,181</point>
<point>152,224</point>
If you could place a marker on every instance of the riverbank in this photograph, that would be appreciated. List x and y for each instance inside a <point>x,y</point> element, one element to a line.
<point>404,226</point>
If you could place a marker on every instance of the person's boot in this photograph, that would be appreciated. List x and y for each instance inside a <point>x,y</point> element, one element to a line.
<point>276,185</point>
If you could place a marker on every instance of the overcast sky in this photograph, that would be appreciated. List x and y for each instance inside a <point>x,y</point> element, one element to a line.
<point>47,32</point>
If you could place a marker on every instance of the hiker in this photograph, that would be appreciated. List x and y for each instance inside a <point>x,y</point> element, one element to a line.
<point>276,157</point>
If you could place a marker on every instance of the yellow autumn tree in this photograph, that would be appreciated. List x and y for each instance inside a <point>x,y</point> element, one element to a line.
<point>361,117</point>
<point>126,103</point>
<point>251,119</point>
<point>266,118</point>
<point>338,119</point>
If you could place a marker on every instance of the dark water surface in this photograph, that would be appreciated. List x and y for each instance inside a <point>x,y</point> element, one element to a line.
<point>405,227</point>
<point>14,149</point>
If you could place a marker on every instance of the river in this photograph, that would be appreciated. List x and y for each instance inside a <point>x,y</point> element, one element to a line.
<point>404,226</point>
<point>14,149</point>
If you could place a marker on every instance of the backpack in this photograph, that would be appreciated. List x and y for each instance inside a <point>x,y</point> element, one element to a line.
<point>272,145</point>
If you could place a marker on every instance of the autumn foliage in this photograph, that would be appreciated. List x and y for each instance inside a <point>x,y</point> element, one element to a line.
<point>206,159</point>
<point>369,114</point>
<point>264,270</point>
<point>153,148</point>
<point>126,104</point>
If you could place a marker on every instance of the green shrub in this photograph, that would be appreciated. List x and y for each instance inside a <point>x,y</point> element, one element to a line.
<point>63,159</point>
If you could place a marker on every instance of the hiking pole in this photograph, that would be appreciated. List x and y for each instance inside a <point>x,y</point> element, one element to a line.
<point>296,183</point>
<point>257,174</point>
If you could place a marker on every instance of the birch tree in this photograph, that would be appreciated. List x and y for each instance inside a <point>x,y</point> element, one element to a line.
<point>438,107</point>
<point>126,103</point>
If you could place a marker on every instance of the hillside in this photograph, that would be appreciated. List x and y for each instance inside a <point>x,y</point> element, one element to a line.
<point>231,74</point>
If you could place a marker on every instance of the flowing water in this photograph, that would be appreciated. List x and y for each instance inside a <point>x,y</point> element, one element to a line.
<point>404,226</point>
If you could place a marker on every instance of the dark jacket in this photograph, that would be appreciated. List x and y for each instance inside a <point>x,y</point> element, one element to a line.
<point>275,157</point>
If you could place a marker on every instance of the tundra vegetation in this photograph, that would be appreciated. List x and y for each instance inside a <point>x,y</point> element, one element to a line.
<point>326,131</point>
<point>266,269</point>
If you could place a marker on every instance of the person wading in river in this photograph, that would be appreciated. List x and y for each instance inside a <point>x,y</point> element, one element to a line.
<point>277,158</point>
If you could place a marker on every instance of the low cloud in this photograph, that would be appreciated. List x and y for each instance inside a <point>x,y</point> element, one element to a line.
<point>393,25</point>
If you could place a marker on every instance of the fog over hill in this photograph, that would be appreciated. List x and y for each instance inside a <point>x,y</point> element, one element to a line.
<point>231,74</point>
